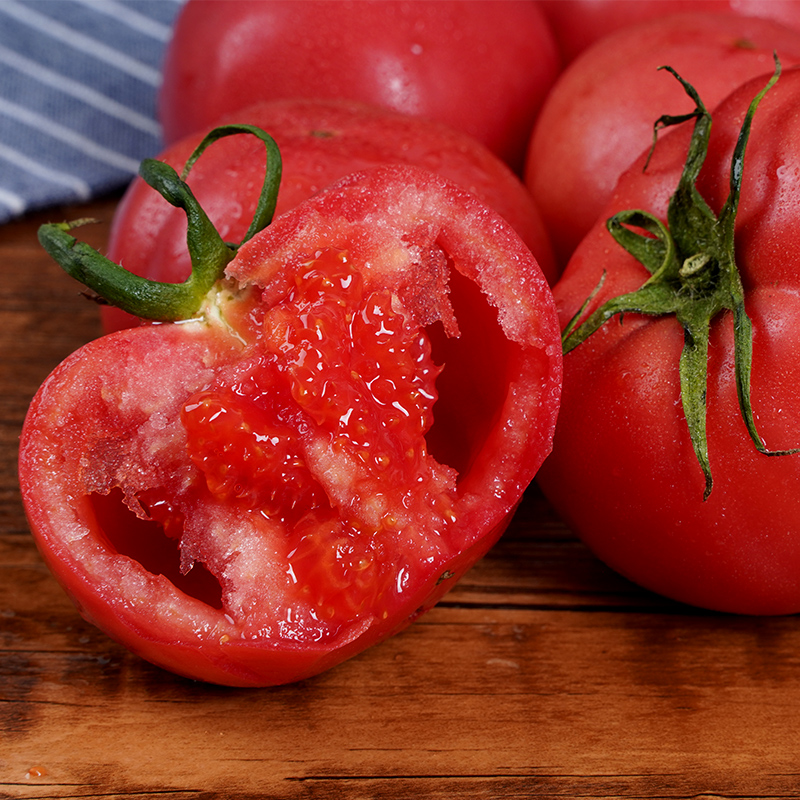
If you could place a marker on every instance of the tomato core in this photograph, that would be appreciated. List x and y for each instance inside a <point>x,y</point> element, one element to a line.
<point>343,367</point>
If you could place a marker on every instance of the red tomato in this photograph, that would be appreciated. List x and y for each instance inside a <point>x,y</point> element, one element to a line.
<point>320,142</point>
<point>577,24</point>
<point>254,495</point>
<point>483,67</point>
<point>600,114</point>
<point>623,471</point>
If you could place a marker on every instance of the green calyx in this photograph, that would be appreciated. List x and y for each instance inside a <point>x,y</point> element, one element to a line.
<point>156,300</point>
<point>693,276</point>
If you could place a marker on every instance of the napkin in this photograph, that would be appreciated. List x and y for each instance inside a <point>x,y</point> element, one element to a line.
<point>78,86</point>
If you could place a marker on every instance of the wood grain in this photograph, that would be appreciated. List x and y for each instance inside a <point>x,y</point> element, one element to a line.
<point>542,675</point>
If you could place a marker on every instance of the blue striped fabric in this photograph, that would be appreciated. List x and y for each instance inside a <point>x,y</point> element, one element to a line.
<point>78,83</point>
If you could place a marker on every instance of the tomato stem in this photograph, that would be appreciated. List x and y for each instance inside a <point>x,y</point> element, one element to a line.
<point>157,300</point>
<point>693,276</point>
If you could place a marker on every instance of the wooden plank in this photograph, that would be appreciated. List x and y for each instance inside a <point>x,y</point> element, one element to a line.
<point>539,700</point>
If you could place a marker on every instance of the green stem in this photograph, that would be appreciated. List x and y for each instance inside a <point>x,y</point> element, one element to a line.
<point>209,254</point>
<point>693,276</point>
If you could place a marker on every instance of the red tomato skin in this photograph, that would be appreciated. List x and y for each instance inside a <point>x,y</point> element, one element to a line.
<point>577,24</point>
<point>622,471</point>
<point>767,247</point>
<point>320,141</point>
<point>600,114</point>
<point>130,386</point>
<point>481,67</point>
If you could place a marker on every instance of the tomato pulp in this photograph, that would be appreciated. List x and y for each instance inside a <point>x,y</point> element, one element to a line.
<point>253,495</point>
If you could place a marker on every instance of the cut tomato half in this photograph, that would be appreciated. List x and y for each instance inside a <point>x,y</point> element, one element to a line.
<point>253,495</point>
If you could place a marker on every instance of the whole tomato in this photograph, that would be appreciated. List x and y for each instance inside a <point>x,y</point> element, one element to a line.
<point>577,24</point>
<point>482,66</point>
<point>331,436</point>
<point>600,114</point>
<point>677,464</point>
<point>320,141</point>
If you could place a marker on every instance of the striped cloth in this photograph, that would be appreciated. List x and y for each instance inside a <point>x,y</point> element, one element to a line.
<point>78,83</point>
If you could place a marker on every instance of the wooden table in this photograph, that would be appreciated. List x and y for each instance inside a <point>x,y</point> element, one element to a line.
<point>541,675</point>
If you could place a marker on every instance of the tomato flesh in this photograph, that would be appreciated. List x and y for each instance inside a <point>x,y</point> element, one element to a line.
<point>247,458</point>
<point>154,543</point>
<point>348,363</point>
<point>352,359</point>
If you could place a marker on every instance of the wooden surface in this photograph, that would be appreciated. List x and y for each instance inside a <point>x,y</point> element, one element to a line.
<point>542,675</point>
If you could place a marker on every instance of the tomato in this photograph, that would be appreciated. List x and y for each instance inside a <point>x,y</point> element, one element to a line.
<point>480,66</point>
<point>256,493</point>
<point>320,141</point>
<point>577,24</point>
<point>600,114</point>
<point>624,470</point>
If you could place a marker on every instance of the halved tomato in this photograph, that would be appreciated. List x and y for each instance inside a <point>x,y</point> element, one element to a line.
<point>254,494</point>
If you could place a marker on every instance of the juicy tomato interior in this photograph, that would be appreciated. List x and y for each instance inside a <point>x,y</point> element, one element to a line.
<point>145,541</point>
<point>472,386</point>
<point>321,428</point>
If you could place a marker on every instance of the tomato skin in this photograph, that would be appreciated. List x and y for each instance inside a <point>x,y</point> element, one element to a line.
<point>577,24</point>
<point>600,114</point>
<point>108,423</point>
<point>320,142</point>
<point>767,246</point>
<point>481,67</point>
<point>622,471</point>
